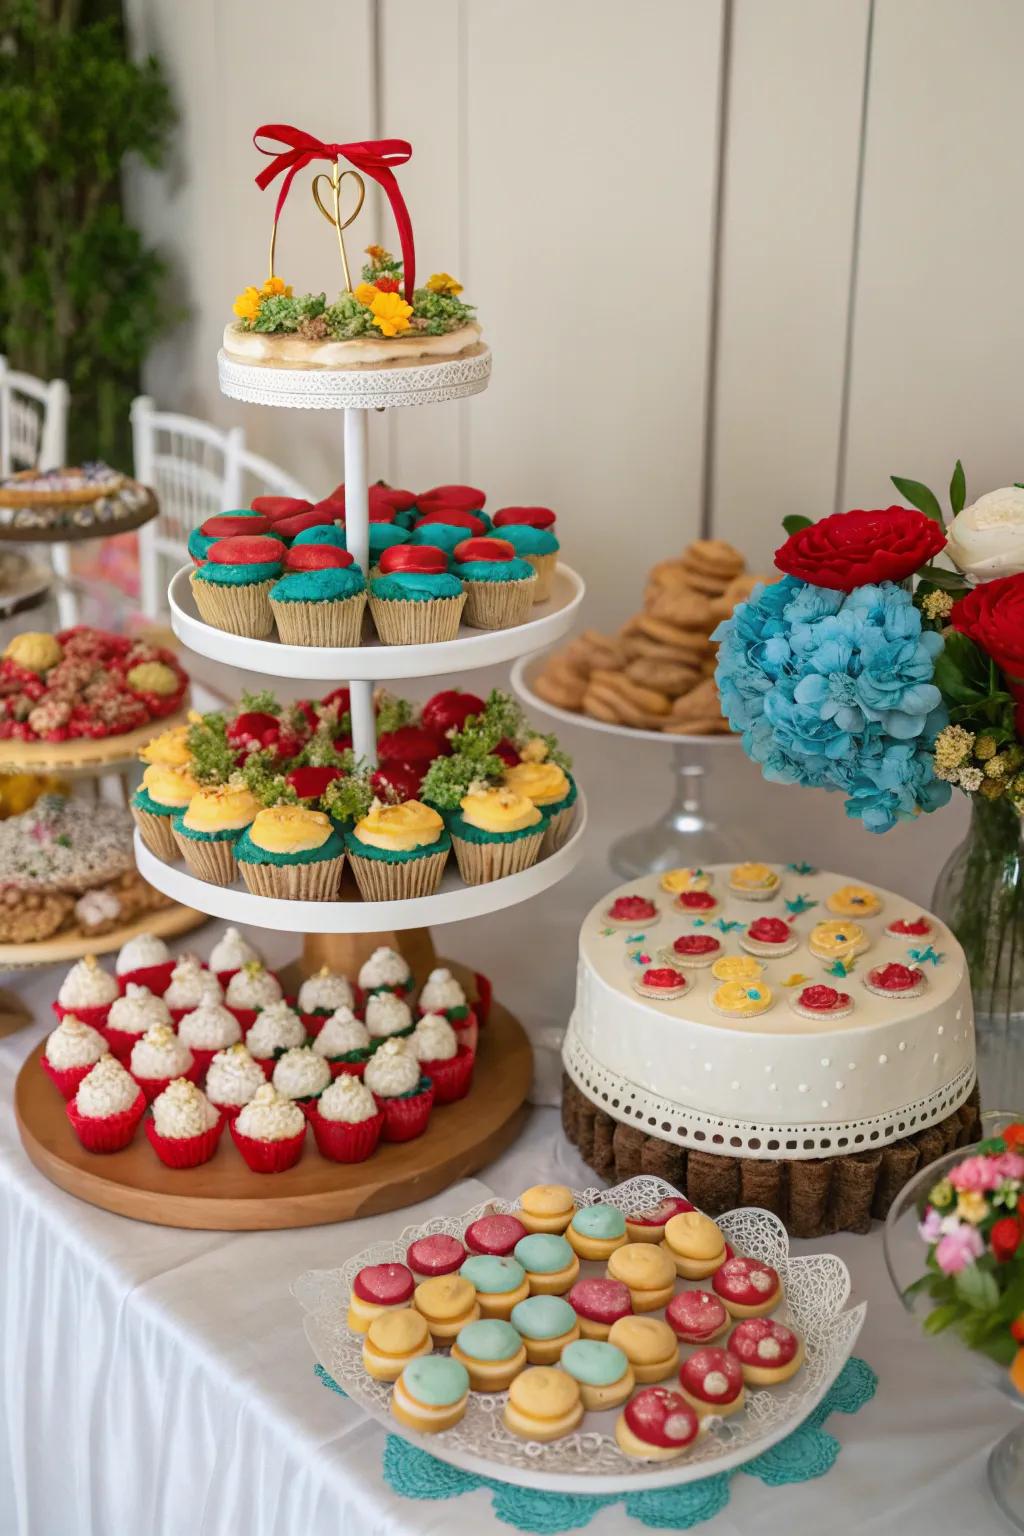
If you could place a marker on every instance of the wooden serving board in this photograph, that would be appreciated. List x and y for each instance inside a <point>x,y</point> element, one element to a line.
<point>83,755</point>
<point>223,1195</point>
<point>164,923</point>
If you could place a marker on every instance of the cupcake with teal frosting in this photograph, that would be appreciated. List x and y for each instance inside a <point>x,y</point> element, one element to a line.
<point>291,852</point>
<point>321,534</point>
<point>164,792</point>
<point>499,585</point>
<point>207,830</point>
<point>465,498</point>
<point>415,600</point>
<point>320,598</point>
<point>232,589</point>
<point>447,528</point>
<point>531,532</point>
<point>225,526</point>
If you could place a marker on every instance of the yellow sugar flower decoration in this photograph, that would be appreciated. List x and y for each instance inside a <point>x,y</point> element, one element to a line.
<point>443,282</point>
<point>365,293</point>
<point>380,256</point>
<point>390,313</point>
<point>247,305</point>
<point>276,285</point>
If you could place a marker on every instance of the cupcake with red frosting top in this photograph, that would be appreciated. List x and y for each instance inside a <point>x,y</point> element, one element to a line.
<point>276,507</point>
<point>320,598</point>
<point>598,1304</point>
<point>694,950</point>
<point>696,903</point>
<point>531,532</point>
<point>767,1352</point>
<point>712,1383</point>
<point>909,928</point>
<point>446,528</point>
<point>821,1002</point>
<point>697,1317</point>
<point>769,936</point>
<point>288,528</point>
<point>415,600</point>
<point>661,983</point>
<point>466,497</point>
<point>896,980</point>
<point>629,911</point>
<point>499,585</point>
<point>226,526</point>
<point>656,1425</point>
<point>746,1287</point>
<point>232,588</point>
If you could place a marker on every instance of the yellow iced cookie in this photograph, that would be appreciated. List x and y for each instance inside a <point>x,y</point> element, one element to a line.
<point>695,1245</point>
<point>741,1000</point>
<point>754,882</point>
<point>737,968</point>
<point>392,1340</point>
<point>649,1345</point>
<point>448,1302</point>
<point>543,1404</point>
<point>837,940</point>
<point>678,880</point>
<point>546,1208</point>
<point>854,901</point>
<point>647,1271</point>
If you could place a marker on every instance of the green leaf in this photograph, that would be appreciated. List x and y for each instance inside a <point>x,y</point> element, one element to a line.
<point>920,497</point>
<point>942,1317</point>
<point>958,489</point>
<point>938,576</point>
<point>794,522</point>
<point>961,670</point>
<point>977,1288</point>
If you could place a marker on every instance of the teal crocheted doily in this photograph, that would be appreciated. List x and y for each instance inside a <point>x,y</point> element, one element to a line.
<point>808,1452</point>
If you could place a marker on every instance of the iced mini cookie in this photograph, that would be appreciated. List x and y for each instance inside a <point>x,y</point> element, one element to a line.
<point>551,1265</point>
<point>647,1270</point>
<point>896,981</point>
<point>695,1245</point>
<point>767,1352</point>
<point>546,1208</point>
<point>662,984</point>
<point>739,1000</point>
<point>629,911</point>
<point>711,1380</point>
<point>676,881</point>
<point>649,1226</point>
<point>694,951</point>
<point>696,903</point>
<point>605,1375</point>
<point>494,1234</point>
<point>697,1317</point>
<point>392,1340</point>
<point>657,1425</point>
<point>431,1394</point>
<point>854,901</point>
<point>448,1302</point>
<point>596,1231</point>
<point>547,1324</point>
<point>378,1288</point>
<point>743,968</point>
<point>746,1287</point>
<point>754,882</point>
<point>837,940</point>
<point>598,1304</point>
<point>648,1344</point>
<point>492,1352</point>
<point>543,1404</point>
<point>435,1255</point>
<point>909,928</point>
<point>500,1283</point>
<point>769,936</point>
<point>821,1002</point>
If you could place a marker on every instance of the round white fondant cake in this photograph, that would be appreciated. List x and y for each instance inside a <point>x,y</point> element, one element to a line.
<point>770,1011</point>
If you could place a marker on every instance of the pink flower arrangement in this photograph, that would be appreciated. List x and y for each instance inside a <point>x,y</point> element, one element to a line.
<point>958,1246</point>
<point>978,1173</point>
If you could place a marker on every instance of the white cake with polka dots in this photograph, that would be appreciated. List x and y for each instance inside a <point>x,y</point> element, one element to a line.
<point>770,1011</point>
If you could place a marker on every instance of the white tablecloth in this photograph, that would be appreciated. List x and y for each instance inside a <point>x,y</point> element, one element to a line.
<point>159,1381</point>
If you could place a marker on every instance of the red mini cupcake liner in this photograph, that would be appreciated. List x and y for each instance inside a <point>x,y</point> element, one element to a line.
<point>65,1079</point>
<point>484,996</point>
<point>184,1151</point>
<point>95,1016</point>
<point>268,1156</point>
<point>313,1023</point>
<point>225,976</point>
<point>107,1133</point>
<point>153,1086</point>
<point>451,1079</point>
<point>266,1065</point>
<point>341,1142</point>
<point>156,977</point>
<point>347,1068</point>
<point>227,1111</point>
<point>405,1119</point>
<point>203,1055</point>
<point>120,1041</point>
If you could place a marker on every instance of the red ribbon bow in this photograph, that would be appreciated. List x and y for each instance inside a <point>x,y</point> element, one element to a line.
<point>374,158</point>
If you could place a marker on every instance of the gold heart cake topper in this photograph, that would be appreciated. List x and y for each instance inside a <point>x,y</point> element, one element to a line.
<point>332,214</point>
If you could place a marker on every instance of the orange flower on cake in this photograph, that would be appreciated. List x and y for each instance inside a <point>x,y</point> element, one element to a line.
<point>443,282</point>
<point>247,305</point>
<point>275,286</point>
<point>390,313</point>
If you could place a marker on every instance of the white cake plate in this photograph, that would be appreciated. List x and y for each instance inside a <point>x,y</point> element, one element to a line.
<point>360,389</point>
<point>375,662</point>
<point>686,834</point>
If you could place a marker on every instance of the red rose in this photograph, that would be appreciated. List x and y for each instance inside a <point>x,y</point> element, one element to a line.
<point>853,549</point>
<point>992,615</point>
<point>1005,1238</point>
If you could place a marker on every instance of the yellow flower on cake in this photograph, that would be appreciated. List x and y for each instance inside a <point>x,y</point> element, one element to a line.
<point>247,305</point>
<point>390,313</point>
<point>443,282</point>
<point>379,256</point>
<point>275,286</point>
<point>365,293</point>
<point>972,1206</point>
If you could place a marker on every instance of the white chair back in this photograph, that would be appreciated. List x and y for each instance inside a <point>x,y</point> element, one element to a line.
<point>34,435</point>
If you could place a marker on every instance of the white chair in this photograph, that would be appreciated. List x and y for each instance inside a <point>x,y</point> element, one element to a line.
<point>33,435</point>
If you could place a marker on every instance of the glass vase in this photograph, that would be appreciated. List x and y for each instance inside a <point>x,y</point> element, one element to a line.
<point>980,895</point>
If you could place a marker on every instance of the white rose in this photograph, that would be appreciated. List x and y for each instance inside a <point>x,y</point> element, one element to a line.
<point>986,539</point>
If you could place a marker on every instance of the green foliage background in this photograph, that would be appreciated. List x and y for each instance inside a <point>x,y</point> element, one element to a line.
<point>81,296</point>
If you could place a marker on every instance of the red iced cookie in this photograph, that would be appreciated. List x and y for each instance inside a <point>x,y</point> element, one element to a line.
<point>745,1282</point>
<point>494,1234</point>
<point>696,1316</point>
<point>770,930</point>
<point>279,506</point>
<point>498,550</point>
<point>823,999</point>
<point>310,782</point>
<point>288,527</point>
<point>712,1376</point>
<point>385,1285</point>
<point>659,1215</point>
<point>632,909</point>
<point>661,1417</point>
<point>415,559</point>
<point>257,550</point>
<point>453,517</point>
<point>696,901</point>
<point>893,977</point>
<point>437,1255</point>
<point>316,557</point>
<point>528,517</point>
<point>225,526</point>
<point>449,710</point>
<point>911,928</point>
<point>603,1301</point>
<point>695,944</point>
<point>663,977</point>
<point>760,1341</point>
<point>466,496</point>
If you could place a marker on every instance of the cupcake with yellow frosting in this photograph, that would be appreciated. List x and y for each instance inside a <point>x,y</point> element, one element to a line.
<point>170,747</point>
<point>208,828</point>
<point>495,832</point>
<point>164,792</point>
<point>550,788</point>
<point>292,852</point>
<point>398,851</point>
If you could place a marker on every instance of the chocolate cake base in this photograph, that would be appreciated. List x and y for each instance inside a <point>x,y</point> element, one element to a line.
<point>813,1197</point>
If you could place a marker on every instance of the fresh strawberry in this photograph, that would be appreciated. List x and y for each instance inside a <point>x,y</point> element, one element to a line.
<point>449,710</point>
<point>254,728</point>
<point>310,782</point>
<point>507,752</point>
<point>341,697</point>
<point>396,781</point>
<point>412,745</point>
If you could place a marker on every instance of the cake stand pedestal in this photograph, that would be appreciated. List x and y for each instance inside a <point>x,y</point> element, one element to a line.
<point>688,833</point>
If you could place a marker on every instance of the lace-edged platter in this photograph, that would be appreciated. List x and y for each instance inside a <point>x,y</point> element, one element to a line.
<point>817,1288</point>
<point>419,381</point>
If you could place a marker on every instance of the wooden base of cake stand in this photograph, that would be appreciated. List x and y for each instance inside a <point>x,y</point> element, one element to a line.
<point>223,1195</point>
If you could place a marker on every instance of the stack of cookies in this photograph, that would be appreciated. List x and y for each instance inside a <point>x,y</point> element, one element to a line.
<point>657,672</point>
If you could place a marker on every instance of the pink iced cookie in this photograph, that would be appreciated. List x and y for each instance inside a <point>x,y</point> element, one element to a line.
<point>436,1255</point>
<point>712,1382</point>
<point>696,1317</point>
<point>649,1226</point>
<point>767,1352</point>
<point>494,1234</point>
<point>747,1287</point>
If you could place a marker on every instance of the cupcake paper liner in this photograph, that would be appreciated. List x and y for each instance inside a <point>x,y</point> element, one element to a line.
<point>380,881</point>
<point>225,976</point>
<point>184,1151</point>
<point>499,604</point>
<point>268,1156</point>
<point>341,1068</point>
<point>240,610</point>
<point>227,1111</point>
<point>406,622</point>
<point>314,1023</point>
<point>157,834</point>
<point>339,622</point>
<point>65,1079</point>
<point>544,565</point>
<point>95,1016</point>
<point>480,863</point>
<point>558,830</point>
<point>212,860</point>
<point>341,1142</point>
<point>152,1087</point>
<point>203,1055</point>
<point>156,977</point>
<point>484,997</point>
<point>120,1041</point>
<point>451,1079</point>
<point>316,881</point>
<point>405,1119</point>
<point>466,1030</point>
<point>106,1133</point>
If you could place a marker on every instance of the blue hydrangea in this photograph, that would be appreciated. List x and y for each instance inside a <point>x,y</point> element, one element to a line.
<point>834,690</point>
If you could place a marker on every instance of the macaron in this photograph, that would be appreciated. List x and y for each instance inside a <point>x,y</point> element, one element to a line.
<point>431,1394</point>
<point>598,1304</point>
<point>438,1254</point>
<point>247,549</point>
<point>546,1208</point>
<point>465,496</point>
<point>768,1352</point>
<point>392,1340</point>
<point>543,1404</point>
<point>596,1231</point>
<point>547,1324</point>
<point>648,1271</point>
<point>492,1352</point>
<point>494,1234</point>
<point>746,1287</point>
<point>649,1345</point>
<point>695,1245</point>
<point>500,1283</point>
<point>697,1317</point>
<point>711,1380</point>
<point>378,1288</point>
<point>605,1375</point>
<point>448,1302</point>
<point>649,1226</point>
<point>316,557</point>
<point>484,548</point>
<point>657,1425</point>
<point>550,1264</point>
<point>279,506</point>
<point>525,517</point>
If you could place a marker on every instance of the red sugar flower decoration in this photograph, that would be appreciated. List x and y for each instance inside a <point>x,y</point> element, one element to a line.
<point>387,284</point>
<point>854,549</point>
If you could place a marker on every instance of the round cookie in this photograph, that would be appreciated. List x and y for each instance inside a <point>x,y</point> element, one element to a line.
<point>697,1317</point>
<point>392,1340</point>
<point>550,1264</point>
<point>657,1425</point>
<point>378,1288</point>
<point>494,1234</point>
<point>500,1284</point>
<point>768,1352</point>
<point>854,901</point>
<point>431,1394</point>
<point>605,1375</point>
<point>695,1245</point>
<point>543,1404</point>
<point>647,1270</point>
<point>435,1255</point>
<point>746,1287</point>
<point>649,1226</point>
<point>631,912</point>
<point>648,1344</point>
<point>448,1302</point>
<point>598,1304</point>
<point>596,1231</point>
<point>711,1380</point>
<point>547,1324</point>
<point>492,1352</point>
<point>546,1208</point>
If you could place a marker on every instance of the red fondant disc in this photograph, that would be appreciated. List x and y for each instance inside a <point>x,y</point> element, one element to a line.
<point>498,550</point>
<point>245,551</point>
<point>529,517</point>
<point>417,559</point>
<point>225,526</point>
<point>316,557</point>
